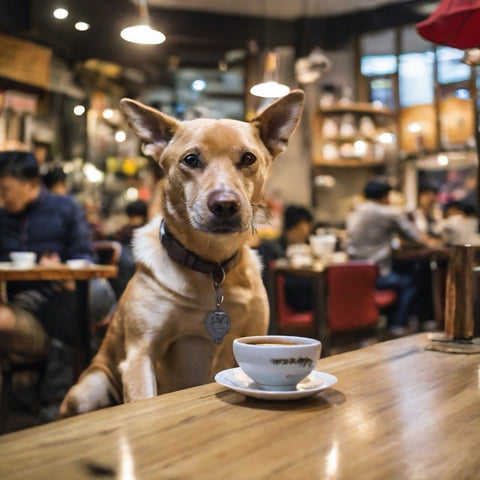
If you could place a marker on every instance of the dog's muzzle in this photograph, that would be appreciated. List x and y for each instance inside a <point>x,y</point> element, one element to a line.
<point>225,208</point>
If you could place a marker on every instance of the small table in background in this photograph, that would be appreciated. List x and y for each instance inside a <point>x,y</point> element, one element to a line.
<point>61,272</point>
<point>437,259</point>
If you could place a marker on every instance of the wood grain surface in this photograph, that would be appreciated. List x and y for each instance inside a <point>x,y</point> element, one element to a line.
<point>58,272</point>
<point>397,412</point>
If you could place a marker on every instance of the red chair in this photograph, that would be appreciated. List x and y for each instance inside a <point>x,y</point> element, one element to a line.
<point>352,302</point>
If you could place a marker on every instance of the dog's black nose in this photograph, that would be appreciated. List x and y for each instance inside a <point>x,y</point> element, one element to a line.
<point>224,204</point>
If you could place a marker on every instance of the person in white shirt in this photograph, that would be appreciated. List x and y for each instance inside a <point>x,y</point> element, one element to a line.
<point>370,230</point>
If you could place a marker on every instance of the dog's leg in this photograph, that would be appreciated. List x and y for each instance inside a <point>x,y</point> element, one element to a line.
<point>92,392</point>
<point>138,375</point>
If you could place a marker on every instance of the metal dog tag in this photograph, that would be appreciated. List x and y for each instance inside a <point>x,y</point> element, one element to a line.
<point>217,321</point>
<point>218,325</point>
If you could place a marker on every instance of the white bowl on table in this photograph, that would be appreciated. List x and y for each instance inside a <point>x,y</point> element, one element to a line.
<point>299,255</point>
<point>23,259</point>
<point>78,263</point>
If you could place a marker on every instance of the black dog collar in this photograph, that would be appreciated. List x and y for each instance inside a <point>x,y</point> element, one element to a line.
<point>178,253</point>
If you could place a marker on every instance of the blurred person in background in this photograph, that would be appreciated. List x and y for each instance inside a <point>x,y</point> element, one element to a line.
<point>297,226</point>
<point>137,213</point>
<point>55,181</point>
<point>460,224</point>
<point>452,208</point>
<point>370,230</point>
<point>39,319</point>
<point>427,215</point>
<point>42,151</point>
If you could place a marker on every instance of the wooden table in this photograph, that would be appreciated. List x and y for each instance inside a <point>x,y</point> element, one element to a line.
<point>422,253</point>
<point>437,259</point>
<point>80,275</point>
<point>397,412</point>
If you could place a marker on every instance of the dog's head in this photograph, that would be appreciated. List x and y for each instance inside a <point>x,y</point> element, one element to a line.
<point>215,169</point>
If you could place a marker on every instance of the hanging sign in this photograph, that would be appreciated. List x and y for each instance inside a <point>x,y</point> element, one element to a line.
<point>24,61</point>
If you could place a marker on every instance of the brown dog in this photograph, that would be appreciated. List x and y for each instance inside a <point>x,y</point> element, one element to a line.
<point>170,330</point>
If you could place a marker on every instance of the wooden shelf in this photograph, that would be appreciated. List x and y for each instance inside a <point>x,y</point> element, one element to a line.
<point>348,163</point>
<point>356,107</point>
<point>351,139</point>
<point>344,166</point>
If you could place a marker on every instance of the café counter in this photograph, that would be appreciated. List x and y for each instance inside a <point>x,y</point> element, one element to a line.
<point>398,411</point>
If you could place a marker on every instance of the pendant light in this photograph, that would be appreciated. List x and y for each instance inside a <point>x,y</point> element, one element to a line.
<point>270,87</point>
<point>143,33</point>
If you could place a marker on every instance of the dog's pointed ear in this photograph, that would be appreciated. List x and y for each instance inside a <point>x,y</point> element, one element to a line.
<point>153,128</point>
<point>278,121</point>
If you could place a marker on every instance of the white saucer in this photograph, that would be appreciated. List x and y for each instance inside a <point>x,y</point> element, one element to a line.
<point>237,380</point>
<point>13,266</point>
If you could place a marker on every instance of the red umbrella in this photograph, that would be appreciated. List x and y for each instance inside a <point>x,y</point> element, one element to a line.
<point>455,23</point>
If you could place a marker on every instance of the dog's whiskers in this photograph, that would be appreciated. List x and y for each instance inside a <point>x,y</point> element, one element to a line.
<point>261,214</point>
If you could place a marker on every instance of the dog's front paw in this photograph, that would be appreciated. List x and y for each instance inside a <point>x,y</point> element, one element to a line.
<point>71,405</point>
<point>94,391</point>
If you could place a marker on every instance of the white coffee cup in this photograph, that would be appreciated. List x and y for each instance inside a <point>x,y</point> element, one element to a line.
<point>23,259</point>
<point>322,245</point>
<point>277,362</point>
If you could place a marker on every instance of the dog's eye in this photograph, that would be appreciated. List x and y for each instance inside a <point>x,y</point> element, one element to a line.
<point>192,161</point>
<point>248,158</point>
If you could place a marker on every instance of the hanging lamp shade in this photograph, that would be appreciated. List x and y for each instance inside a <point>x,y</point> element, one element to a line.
<point>454,23</point>
<point>270,87</point>
<point>143,33</point>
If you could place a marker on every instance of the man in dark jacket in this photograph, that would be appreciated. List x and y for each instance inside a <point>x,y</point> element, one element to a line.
<point>53,227</point>
<point>39,319</point>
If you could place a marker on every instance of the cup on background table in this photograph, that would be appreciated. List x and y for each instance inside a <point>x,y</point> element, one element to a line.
<point>23,259</point>
<point>299,255</point>
<point>323,245</point>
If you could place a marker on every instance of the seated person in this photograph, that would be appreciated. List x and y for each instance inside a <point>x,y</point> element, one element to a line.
<point>54,227</point>
<point>55,180</point>
<point>297,225</point>
<point>460,224</point>
<point>370,229</point>
<point>427,214</point>
<point>452,208</point>
<point>137,217</point>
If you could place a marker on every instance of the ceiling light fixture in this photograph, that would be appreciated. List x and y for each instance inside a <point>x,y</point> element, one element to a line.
<point>107,113</point>
<point>270,87</point>
<point>78,110</point>
<point>199,85</point>
<point>82,26</point>
<point>120,136</point>
<point>143,33</point>
<point>60,13</point>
